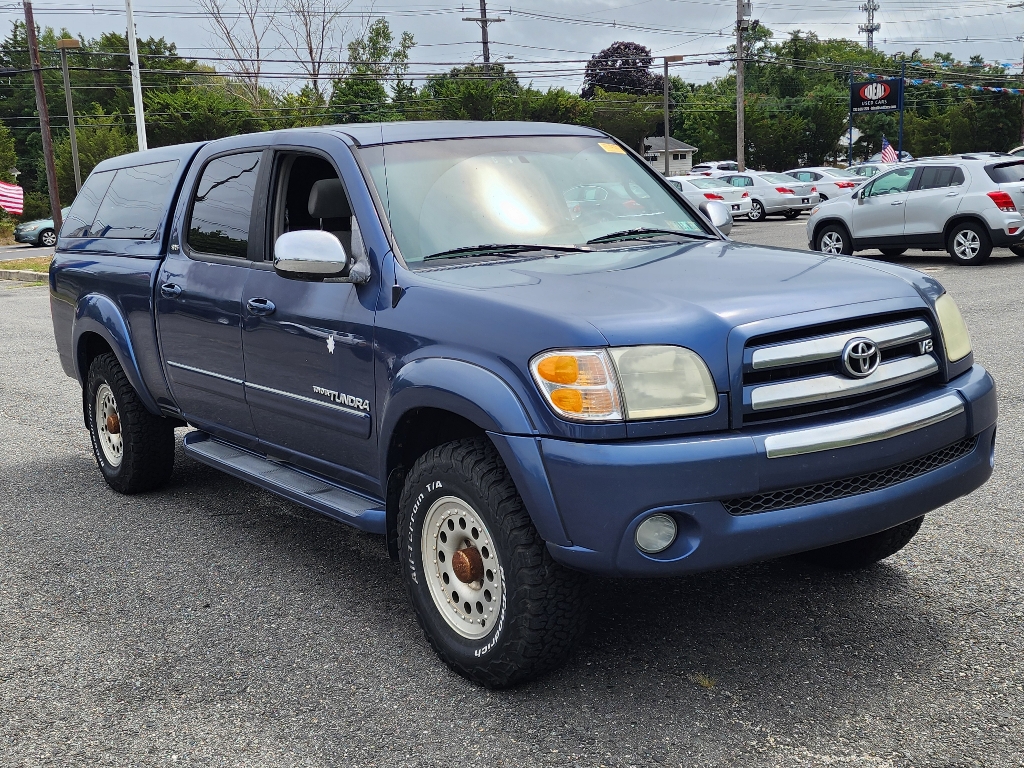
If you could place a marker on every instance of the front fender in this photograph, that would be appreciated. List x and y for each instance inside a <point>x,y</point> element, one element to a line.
<point>97,314</point>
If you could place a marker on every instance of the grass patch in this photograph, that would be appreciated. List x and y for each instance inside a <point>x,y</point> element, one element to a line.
<point>34,264</point>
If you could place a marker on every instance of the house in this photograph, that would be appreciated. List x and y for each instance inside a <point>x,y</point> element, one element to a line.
<point>680,155</point>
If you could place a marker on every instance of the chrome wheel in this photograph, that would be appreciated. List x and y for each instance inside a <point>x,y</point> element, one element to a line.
<point>108,426</point>
<point>756,211</point>
<point>48,238</point>
<point>460,564</point>
<point>831,242</point>
<point>966,244</point>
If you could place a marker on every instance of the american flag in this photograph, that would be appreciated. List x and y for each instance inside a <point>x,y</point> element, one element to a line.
<point>888,153</point>
<point>12,198</point>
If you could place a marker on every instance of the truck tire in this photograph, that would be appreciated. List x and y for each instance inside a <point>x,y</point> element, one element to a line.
<point>969,244</point>
<point>860,553</point>
<point>492,603</point>
<point>133,448</point>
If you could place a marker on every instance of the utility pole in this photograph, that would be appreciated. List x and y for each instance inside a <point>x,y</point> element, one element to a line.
<point>133,53</point>
<point>871,27</point>
<point>1020,5</point>
<point>665,95</point>
<point>44,116</point>
<point>743,11</point>
<point>64,45</point>
<point>483,21</point>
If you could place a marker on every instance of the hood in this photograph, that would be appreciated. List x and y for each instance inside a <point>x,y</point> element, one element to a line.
<point>35,223</point>
<point>689,294</point>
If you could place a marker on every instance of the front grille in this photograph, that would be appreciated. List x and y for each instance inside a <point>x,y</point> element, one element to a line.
<point>800,373</point>
<point>850,486</point>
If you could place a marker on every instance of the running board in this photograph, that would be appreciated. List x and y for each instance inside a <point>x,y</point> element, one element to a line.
<point>318,494</point>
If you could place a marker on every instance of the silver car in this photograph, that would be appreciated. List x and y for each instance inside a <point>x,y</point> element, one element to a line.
<point>774,193</point>
<point>870,170</point>
<point>699,189</point>
<point>713,166</point>
<point>965,204</point>
<point>830,182</point>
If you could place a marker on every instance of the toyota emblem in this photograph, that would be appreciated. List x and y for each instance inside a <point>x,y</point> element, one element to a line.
<point>860,358</point>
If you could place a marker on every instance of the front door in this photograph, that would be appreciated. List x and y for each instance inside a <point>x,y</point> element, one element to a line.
<point>199,294</point>
<point>879,216</point>
<point>308,345</point>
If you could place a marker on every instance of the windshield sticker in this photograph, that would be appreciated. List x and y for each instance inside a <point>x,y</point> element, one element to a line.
<point>607,146</point>
<point>688,226</point>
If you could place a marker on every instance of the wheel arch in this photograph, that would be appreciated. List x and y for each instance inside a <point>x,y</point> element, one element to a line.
<point>100,327</point>
<point>959,218</point>
<point>820,225</point>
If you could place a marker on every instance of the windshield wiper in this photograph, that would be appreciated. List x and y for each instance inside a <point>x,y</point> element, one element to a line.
<point>640,232</point>
<point>498,248</point>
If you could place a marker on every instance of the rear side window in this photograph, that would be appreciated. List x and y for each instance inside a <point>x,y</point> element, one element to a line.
<point>1006,173</point>
<point>222,206</point>
<point>934,177</point>
<point>136,202</point>
<point>79,219</point>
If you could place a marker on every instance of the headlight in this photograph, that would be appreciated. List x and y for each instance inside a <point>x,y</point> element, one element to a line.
<point>661,382</point>
<point>650,382</point>
<point>955,337</point>
<point>578,384</point>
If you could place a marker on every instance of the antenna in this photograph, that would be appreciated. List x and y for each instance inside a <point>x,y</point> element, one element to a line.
<point>872,26</point>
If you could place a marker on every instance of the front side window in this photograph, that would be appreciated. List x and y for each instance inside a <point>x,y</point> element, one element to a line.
<point>136,201</point>
<point>222,206</point>
<point>443,195</point>
<point>78,222</point>
<point>892,183</point>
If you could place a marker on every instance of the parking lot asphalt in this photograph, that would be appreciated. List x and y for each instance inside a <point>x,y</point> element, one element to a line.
<point>213,624</point>
<point>22,251</point>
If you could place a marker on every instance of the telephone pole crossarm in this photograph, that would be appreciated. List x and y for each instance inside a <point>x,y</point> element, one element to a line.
<point>483,21</point>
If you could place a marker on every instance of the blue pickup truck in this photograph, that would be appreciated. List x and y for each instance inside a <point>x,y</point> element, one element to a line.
<point>515,352</point>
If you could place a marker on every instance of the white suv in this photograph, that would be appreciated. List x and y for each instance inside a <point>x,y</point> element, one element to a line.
<point>965,204</point>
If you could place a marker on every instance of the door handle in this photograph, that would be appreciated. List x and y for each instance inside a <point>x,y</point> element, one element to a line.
<point>897,202</point>
<point>952,194</point>
<point>260,306</point>
<point>170,290</point>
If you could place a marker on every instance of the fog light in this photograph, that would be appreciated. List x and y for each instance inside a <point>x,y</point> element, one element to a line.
<point>656,534</point>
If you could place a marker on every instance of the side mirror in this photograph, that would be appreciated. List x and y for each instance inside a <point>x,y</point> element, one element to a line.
<point>720,216</point>
<point>859,194</point>
<point>311,254</point>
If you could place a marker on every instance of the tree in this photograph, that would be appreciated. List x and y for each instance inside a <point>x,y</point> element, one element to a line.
<point>100,136</point>
<point>628,117</point>
<point>244,35</point>
<point>8,157</point>
<point>311,32</point>
<point>621,68</point>
<point>204,112</point>
<point>474,92</point>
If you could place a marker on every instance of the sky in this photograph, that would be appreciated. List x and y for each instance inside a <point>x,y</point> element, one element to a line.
<point>563,33</point>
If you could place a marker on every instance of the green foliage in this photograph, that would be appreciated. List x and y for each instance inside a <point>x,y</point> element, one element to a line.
<point>474,93</point>
<point>626,116</point>
<point>8,157</point>
<point>100,136</point>
<point>200,113</point>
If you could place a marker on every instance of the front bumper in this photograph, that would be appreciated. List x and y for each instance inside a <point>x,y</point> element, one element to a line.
<point>25,237</point>
<point>603,491</point>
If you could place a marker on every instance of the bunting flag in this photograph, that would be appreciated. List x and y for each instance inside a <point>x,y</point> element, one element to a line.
<point>941,84</point>
<point>12,198</point>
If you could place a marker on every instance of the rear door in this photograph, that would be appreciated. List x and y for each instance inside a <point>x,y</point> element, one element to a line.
<point>199,292</point>
<point>933,200</point>
<point>879,217</point>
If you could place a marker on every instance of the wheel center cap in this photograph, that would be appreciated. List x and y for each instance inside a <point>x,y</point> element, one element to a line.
<point>114,425</point>
<point>468,565</point>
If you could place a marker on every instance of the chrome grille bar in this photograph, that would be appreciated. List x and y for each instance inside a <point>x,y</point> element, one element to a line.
<point>831,386</point>
<point>829,347</point>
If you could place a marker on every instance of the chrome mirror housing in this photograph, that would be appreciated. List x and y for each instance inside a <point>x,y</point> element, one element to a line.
<point>720,216</point>
<point>311,254</point>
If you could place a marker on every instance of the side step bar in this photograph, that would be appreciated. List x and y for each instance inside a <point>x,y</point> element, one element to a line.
<point>318,494</point>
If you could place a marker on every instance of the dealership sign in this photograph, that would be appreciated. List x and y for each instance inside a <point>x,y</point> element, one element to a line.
<point>876,96</point>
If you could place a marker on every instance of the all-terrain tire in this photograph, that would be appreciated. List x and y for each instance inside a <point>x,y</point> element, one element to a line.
<point>146,441</point>
<point>533,624</point>
<point>860,553</point>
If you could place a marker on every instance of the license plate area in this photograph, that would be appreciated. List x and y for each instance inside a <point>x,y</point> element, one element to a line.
<point>805,200</point>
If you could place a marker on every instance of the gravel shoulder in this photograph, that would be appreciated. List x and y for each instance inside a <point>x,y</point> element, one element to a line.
<point>212,624</point>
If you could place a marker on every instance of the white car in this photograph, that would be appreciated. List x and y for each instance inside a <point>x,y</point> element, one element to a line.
<point>699,189</point>
<point>774,193</point>
<point>830,182</point>
<point>714,166</point>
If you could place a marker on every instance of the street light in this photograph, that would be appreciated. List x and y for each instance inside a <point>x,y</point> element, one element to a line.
<point>64,45</point>
<point>665,95</point>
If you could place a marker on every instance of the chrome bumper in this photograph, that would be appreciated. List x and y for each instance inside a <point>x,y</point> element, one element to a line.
<point>866,430</point>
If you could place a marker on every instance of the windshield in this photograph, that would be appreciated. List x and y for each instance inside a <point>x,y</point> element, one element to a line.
<point>452,194</point>
<point>709,183</point>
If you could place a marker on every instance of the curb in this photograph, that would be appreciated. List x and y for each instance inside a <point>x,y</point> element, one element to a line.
<point>24,275</point>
